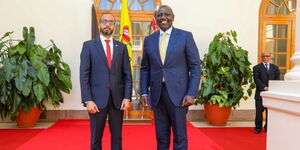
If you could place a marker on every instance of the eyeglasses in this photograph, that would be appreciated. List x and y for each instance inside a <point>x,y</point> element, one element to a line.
<point>265,56</point>
<point>110,22</point>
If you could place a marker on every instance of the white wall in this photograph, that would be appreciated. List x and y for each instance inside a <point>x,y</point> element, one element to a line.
<point>68,23</point>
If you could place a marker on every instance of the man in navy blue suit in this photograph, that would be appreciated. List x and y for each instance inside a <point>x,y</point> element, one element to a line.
<point>171,69</point>
<point>106,83</point>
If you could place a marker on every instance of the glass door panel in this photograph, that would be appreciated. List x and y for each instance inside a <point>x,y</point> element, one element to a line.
<point>277,40</point>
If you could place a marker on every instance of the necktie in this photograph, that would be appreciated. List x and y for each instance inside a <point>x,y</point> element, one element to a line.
<point>108,54</point>
<point>267,66</point>
<point>163,47</point>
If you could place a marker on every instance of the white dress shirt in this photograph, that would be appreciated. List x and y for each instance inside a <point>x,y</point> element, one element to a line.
<point>102,38</point>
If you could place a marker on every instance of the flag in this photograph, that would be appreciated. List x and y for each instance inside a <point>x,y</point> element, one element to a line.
<point>125,29</point>
<point>153,26</point>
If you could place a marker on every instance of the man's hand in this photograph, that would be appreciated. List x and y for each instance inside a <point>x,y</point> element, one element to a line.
<point>144,101</point>
<point>125,104</point>
<point>91,107</point>
<point>266,89</point>
<point>188,101</point>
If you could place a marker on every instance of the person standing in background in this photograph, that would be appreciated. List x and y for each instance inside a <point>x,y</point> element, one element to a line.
<point>262,73</point>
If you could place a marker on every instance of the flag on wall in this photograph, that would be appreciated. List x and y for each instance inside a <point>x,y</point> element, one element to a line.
<point>125,29</point>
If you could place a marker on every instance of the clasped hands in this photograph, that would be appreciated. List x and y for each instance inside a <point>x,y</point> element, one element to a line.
<point>92,108</point>
<point>187,101</point>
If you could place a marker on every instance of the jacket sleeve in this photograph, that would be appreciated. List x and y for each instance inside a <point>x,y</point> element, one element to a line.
<point>145,71</point>
<point>277,76</point>
<point>85,70</point>
<point>194,65</point>
<point>127,76</point>
<point>257,80</point>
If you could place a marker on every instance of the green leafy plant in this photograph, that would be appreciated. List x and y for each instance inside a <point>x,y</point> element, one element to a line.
<point>226,72</point>
<point>30,74</point>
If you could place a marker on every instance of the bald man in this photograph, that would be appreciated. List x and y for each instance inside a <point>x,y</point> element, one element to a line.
<point>262,73</point>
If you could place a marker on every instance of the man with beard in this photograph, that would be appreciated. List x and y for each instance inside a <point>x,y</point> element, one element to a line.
<point>171,68</point>
<point>106,83</point>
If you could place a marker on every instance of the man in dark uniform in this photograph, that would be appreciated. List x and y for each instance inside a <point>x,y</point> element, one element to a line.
<point>262,73</point>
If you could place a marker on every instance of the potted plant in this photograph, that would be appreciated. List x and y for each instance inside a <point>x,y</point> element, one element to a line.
<point>30,74</point>
<point>226,74</point>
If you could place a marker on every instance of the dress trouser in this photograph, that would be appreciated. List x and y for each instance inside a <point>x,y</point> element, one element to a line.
<point>97,124</point>
<point>258,117</point>
<point>167,115</point>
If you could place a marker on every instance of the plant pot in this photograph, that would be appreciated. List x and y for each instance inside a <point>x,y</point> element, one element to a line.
<point>216,116</point>
<point>28,120</point>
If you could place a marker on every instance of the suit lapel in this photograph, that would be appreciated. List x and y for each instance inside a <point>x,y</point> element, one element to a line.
<point>264,69</point>
<point>271,68</point>
<point>172,41</point>
<point>156,47</point>
<point>100,50</point>
<point>115,53</point>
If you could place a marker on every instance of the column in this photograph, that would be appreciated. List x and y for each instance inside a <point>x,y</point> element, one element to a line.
<point>294,73</point>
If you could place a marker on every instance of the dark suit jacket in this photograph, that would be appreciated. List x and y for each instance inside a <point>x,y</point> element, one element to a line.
<point>262,76</point>
<point>181,69</point>
<point>96,79</point>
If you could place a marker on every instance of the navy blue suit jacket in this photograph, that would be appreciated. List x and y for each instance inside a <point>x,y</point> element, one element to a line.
<point>181,69</point>
<point>96,79</point>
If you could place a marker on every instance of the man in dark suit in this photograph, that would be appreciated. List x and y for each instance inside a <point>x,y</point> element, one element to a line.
<point>262,73</point>
<point>171,68</point>
<point>106,83</point>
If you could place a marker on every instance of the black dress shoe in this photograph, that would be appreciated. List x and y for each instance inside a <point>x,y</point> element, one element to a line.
<point>257,131</point>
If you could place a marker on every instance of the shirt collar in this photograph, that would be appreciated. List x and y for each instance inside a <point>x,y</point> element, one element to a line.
<point>102,38</point>
<point>169,31</point>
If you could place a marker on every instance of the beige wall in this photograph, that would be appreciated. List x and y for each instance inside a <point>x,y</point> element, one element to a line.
<point>68,23</point>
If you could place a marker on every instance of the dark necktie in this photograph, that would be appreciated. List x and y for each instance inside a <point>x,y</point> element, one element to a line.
<point>108,54</point>
<point>267,66</point>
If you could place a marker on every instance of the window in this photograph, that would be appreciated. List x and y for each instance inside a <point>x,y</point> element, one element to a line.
<point>277,31</point>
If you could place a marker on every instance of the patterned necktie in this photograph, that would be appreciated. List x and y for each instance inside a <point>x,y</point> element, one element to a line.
<point>108,54</point>
<point>163,47</point>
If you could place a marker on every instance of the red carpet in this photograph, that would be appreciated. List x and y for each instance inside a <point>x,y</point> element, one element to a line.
<point>10,139</point>
<point>236,138</point>
<point>74,135</point>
